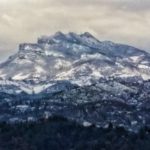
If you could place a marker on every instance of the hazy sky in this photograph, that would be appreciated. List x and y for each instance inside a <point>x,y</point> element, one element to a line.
<point>125,21</point>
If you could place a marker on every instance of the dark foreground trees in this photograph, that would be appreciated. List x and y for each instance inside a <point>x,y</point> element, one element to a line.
<point>60,134</point>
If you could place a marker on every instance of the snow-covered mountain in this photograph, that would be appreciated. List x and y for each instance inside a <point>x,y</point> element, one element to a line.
<point>76,58</point>
<point>77,77</point>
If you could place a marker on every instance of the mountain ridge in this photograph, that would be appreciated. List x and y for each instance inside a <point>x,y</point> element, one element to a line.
<point>77,77</point>
<point>78,58</point>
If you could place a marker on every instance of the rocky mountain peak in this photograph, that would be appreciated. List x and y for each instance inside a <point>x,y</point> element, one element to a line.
<point>75,57</point>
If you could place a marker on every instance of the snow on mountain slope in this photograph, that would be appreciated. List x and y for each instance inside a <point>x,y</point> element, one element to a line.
<point>77,58</point>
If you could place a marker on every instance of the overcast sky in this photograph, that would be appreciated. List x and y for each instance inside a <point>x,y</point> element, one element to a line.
<point>123,21</point>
